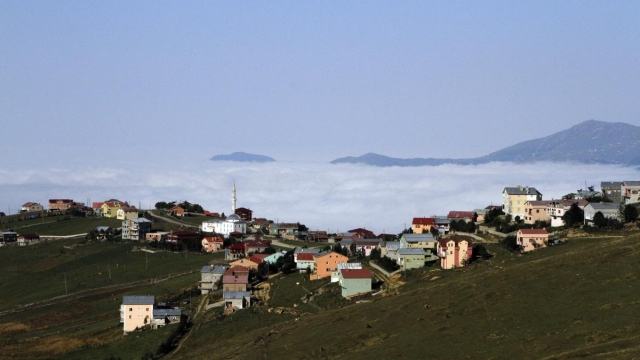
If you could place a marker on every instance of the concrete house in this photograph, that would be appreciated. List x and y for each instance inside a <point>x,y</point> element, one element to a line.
<point>136,229</point>
<point>8,237</point>
<point>210,278</point>
<point>31,207</point>
<point>467,216</point>
<point>557,208</point>
<point>514,199</point>
<point>612,190</point>
<point>335,276</point>
<point>273,258</point>
<point>609,210</point>
<point>355,282</point>
<point>326,264</point>
<point>454,252</point>
<point>212,243</point>
<point>236,300</point>
<point>232,224</point>
<point>166,316</point>
<point>390,249</point>
<point>287,231</point>
<point>418,241</point>
<point>305,262</point>
<point>235,278</point>
<point>411,258</point>
<point>532,239</point>
<point>136,312</point>
<point>421,225</point>
<point>365,246</point>
<point>630,191</point>
<point>443,224</point>
<point>127,213</point>
<point>61,205</point>
<point>535,210</point>
<point>109,208</point>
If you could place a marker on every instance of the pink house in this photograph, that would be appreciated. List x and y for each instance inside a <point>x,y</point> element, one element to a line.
<point>531,239</point>
<point>454,252</point>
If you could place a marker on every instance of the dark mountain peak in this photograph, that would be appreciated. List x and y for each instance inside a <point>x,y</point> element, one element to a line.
<point>243,157</point>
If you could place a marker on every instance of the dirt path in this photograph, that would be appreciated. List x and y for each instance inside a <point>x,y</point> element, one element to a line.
<point>170,220</point>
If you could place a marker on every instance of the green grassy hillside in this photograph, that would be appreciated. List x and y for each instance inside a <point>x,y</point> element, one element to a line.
<point>578,300</point>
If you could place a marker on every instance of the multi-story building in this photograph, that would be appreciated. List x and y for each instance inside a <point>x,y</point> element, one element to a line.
<point>453,252</point>
<point>61,205</point>
<point>532,239</point>
<point>232,224</point>
<point>557,208</point>
<point>612,190</point>
<point>515,198</point>
<point>210,278</point>
<point>421,225</point>
<point>31,207</point>
<point>136,229</point>
<point>136,312</point>
<point>536,211</point>
<point>630,191</point>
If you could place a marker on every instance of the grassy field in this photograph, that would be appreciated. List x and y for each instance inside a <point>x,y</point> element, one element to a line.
<point>59,224</point>
<point>574,300</point>
<point>85,324</point>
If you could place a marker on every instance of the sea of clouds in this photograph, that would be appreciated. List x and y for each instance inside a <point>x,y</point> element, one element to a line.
<point>323,196</point>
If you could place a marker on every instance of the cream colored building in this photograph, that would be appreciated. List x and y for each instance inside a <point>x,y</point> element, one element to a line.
<point>515,198</point>
<point>453,252</point>
<point>127,213</point>
<point>136,312</point>
<point>531,239</point>
<point>537,211</point>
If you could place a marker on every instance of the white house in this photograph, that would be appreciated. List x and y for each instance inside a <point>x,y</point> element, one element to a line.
<point>232,224</point>
<point>609,210</point>
<point>557,208</point>
<point>335,276</point>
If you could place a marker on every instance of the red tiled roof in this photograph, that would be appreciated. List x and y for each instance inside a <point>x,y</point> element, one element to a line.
<point>213,239</point>
<point>363,232</point>
<point>356,274</point>
<point>423,221</point>
<point>533,231</point>
<point>305,256</point>
<point>258,258</point>
<point>460,214</point>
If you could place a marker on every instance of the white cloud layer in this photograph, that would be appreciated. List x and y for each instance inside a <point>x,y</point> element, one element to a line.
<point>324,196</point>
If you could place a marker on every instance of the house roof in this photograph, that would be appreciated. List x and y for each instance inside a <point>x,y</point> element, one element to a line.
<point>539,202</point>
<point>356,273</point>
<point>210,269</point>
<point>460,214</point>
<point>392,245</point>
<point>604,206</point>
<point>214,239</point>
<point>631,183</point>
<point>304,257</point>
<point>533,231</point>
<point>410,251</point>
<point>238,269</point>
<point>138,300</point>
<point>330,253</point>
<point>367,242</point>
<point>66,201</point>
<point>414,238</point>
<point>362,232</point>
<point>521,190</point>
<point>141,220</point>
<point>611,184</point>
<point>423,221</point>
<point>258,258</point>
<point>161,313</point>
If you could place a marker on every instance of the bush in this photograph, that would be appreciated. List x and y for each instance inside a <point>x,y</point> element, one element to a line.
<point>387,264</point>
<point>510,243</point>
<point>630,213</point>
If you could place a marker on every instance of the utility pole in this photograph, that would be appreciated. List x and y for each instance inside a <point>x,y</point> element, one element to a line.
<point>66,289</point>
<point>146,261</point>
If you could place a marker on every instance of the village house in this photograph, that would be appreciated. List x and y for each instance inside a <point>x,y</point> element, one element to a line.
<point>212,243</point>
<point>467,216</point>
<point>28,239</point>
<point>236,278</point>
<point>8,237</point>
<point>177,211</point>
<point>244,213</point>
<point>557,208</point>
<point>326,263</point>
<point>421,225</point>
<point>136,312</point>
<point>608,210</point>
<point>232,224</point>
<point>318,236</point>
<point>454,252</point>
<point>630,191</point>
<point>514,200</point>
<point>258,258</point>
<point>480,215</point>
<point>355,282</point>
<point>390,249</point>
<point>127,213</point>
<point>612,191</point>
<point>365,246</point>
<point>443,224</point>
<point>236,300</point>
<point>305,261</point>
<point>182,236</point>
<point>273,258</point>
<point>61,205</point>
<point>246,263</point>
<point>31,207</point>
<point>361,233</point>
<point>136,229</point>
<point>255,246</point>
<point>335,276</point>
<point>210,278</point>
<point>411,258</point>
<point>166,316</point>
<point>531,239</point>
<point>234,251</point>
<point>157,236</point>
<point>287,231</point>
<point>418,241</point>
<point>109,208</point>
<point>536,211</point>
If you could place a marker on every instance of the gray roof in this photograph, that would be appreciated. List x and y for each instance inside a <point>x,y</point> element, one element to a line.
<point>611,184</point>
<point>299,250</point>
<point>102,228</point>
<point>604,206</point>
<point>213,269</point>
<point>418,237</point>
<point>160,313</point>
<point>142,220</point>
<point>236,294</point>
<point>521,190</point>
<point>138,300</point>
<point>411,251</point>
<point>440,220</point>
<point>632,183</point>
<point>392,245</point>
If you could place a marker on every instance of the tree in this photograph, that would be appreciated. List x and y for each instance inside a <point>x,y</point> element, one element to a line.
<point>375,254</point>
<point>599,220</point>
<point>435,232</point>
<point>630,213</point>
<point>574,216</point>
<point>493,215</point>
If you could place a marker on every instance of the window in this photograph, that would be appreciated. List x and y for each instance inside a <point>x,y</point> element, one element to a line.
<point>147,309</point>
<point>129,316</point>
<point>130,309</point>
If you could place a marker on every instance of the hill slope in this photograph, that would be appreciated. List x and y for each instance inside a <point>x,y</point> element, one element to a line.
<point>574,300</point>
<point>588,142</point>
<point>242,157</point>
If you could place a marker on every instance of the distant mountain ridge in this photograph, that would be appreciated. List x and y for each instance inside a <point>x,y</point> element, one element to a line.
<point>590,142</point>
<point>242,157</point>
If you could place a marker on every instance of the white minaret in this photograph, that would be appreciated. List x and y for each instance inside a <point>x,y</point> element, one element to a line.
<point>234,198</point>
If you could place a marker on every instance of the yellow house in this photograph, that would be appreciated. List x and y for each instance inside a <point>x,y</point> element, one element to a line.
<point>127,213</point>
<point>136,312</point>
<point>109,209</point>
<point>514,200</point>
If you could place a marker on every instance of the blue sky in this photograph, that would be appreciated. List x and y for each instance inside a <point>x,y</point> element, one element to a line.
<point>89,82</point>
